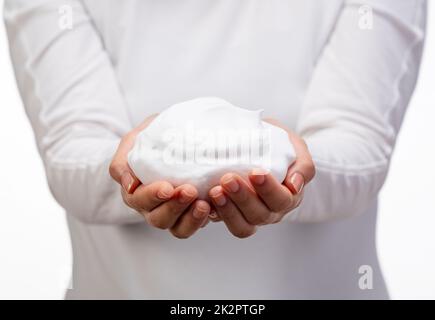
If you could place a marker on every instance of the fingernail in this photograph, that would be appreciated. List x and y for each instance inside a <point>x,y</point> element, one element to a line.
<point>127,182</point>
<point>219,199</point>
<point>258,176</point>
<point>231,184</point>
<point>165,192</point>
<point>297,181</point>
<point>212,214</point>
<point>185,197</point>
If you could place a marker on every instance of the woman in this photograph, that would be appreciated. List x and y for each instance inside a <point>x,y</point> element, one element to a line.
<point>338,74</point>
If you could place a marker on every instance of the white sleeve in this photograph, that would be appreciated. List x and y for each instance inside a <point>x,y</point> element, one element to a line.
<point>74,104</point>
<point>355,104</point>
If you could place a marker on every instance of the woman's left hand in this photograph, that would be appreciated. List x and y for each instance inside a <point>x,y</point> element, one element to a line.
<point>244,205</point>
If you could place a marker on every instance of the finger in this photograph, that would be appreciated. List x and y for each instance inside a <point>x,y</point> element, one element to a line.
<point>121,172</point>
<point>190,221</point>
<point>166,215</point>
<point>145,123</point>
<point>302,170</point>
<point>276,196</point>
<point>147,197</point>
<point>129,181</point>
<point>213,216</point>
<point>119,169</point>
<point>206,221</point>
<point>230,214</point>
<point>242,195</point>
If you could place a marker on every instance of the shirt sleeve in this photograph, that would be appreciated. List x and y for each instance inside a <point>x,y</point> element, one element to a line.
<point>355,104</point>
<point>74,103</point>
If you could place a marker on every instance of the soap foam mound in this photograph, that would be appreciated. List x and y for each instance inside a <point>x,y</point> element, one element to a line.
<point>200,140</point>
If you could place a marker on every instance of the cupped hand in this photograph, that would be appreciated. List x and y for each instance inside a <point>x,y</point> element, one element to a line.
<point>162,205</point>
<point>244,205</point>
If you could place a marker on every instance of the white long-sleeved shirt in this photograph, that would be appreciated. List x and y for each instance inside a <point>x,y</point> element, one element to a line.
<point>324,68</point>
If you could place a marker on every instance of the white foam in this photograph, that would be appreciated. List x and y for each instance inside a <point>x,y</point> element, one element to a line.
<point>200,140</point>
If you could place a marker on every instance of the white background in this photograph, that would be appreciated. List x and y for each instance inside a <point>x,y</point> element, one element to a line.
<point>35,253</point>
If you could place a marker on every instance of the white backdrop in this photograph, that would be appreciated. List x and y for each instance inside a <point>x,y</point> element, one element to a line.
<point>35,253</point>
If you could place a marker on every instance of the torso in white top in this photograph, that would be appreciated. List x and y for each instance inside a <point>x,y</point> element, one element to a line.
<point>306,63</point>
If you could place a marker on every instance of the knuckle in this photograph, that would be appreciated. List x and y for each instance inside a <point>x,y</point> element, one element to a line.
<point>117,169</point>
<point>179,235</point>
<point>266,191</point>
<point>174,209</point>
<point>156,222</point>
<point>282,204</point>
<point>313,170</point>
<point>203,206</point>
<point>242,199</point>
<point>227,214</point>
<point>127,200</point>
<point>297,202</point>
<point>279,218</point>
<point>189,188</point>
<point>226,176</point>
<point>259,219</point>
<point>130,200</point>
<point>114,169</point>
<point>309,170</point>
<point>243,233</point>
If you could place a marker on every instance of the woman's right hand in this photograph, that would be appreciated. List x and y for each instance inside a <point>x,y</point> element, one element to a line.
<point>162,205</point>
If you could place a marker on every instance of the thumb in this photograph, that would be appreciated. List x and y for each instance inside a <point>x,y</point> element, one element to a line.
<point>119,169</point>
<point>302,171</point>
<point>129,181</point>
